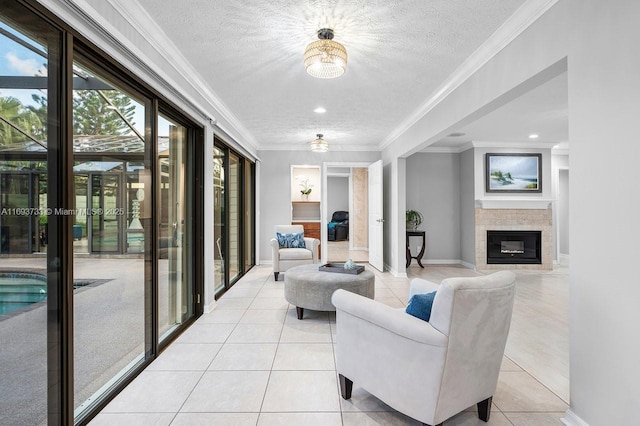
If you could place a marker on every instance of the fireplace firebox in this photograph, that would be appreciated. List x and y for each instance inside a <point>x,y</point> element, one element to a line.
<point>514,247</point>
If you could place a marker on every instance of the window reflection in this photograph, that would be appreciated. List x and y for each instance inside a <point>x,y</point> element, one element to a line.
<point>175,295</point>
<point>23,225</point>
<point>111,225</point>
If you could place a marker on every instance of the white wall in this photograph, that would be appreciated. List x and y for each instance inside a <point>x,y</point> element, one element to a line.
<point>604,88</point>
<point>594,41</point>
<point>275,167</point>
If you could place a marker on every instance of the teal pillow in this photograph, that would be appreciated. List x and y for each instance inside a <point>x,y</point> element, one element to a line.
<point>295,240</point>
<point>420,305</point>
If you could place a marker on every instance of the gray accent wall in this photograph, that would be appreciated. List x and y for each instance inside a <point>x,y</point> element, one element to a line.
<point>337,194</point>
<point>433,189</point>
<point>467,208</point>
<point>274,186</point>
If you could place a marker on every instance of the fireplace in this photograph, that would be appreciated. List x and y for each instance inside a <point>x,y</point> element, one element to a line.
<point>514,247</point>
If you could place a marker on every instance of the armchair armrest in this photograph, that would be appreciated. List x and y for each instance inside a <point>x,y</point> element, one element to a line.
<point>394,320</point>
<point>312,244</point>
<point>275,255</point>
<point>420,286</point>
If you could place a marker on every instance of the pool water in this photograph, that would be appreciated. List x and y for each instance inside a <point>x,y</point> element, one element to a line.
<point>19,290</point>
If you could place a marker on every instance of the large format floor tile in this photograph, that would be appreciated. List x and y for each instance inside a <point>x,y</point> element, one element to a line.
<point>301,391</point>
<point>227,391</point>
<point>155,392</point>
<point>245,356</point>
<point>252,362</point>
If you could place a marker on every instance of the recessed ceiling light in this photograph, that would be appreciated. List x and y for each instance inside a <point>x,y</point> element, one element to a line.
<point>456,134</point>
<point>320,110</point>
<point>533,136</point>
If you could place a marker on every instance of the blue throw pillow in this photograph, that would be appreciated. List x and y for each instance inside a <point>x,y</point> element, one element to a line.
<point>291,240</point>
<point>420,305</point>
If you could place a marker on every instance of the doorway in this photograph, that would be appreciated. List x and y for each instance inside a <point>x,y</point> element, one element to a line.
<point>344,217</point>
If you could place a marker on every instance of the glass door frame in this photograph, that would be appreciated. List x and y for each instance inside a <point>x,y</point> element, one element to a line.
<point>120,193</point>
<point>242,228</point>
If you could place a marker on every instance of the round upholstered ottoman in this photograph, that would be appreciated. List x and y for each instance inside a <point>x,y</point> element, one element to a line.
<point>307,287</point>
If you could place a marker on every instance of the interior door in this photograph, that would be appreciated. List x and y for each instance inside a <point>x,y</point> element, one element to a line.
<point>376,219</point>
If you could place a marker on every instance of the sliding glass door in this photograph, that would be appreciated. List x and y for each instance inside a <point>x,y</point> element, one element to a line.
<point>101,220</point>
<point>234,223</point>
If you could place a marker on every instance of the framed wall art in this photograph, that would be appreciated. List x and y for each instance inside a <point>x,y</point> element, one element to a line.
<point>513,172</point>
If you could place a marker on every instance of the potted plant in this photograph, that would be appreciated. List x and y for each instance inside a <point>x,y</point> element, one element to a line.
<point>306,189</point>
<point>414,219</point>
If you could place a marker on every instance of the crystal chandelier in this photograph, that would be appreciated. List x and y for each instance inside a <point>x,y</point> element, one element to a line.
<point>319,144</point>
<point>325,58</point>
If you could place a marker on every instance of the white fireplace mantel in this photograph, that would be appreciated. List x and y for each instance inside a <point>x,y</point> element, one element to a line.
<point>514,203</point>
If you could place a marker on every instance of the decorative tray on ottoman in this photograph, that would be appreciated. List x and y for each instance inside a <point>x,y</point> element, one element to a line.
<point>339,268</point>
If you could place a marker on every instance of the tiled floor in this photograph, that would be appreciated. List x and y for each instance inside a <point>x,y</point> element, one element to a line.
<point>251,362</point>
<point>338,251</point>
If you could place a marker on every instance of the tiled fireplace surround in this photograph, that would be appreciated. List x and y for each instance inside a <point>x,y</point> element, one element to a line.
<point>514,220</point>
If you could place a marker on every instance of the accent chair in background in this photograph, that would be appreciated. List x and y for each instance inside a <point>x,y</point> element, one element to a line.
<point>286,250</point>
<point>432,370</point>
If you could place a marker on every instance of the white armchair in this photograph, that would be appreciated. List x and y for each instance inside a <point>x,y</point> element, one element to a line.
<point>432,370</point>
<point>285,258</point>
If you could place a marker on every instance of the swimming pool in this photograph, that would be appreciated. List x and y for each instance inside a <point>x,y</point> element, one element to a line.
<point>21,289</point>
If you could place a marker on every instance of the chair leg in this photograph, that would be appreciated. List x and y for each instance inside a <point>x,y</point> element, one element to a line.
<point>346,386</point>
<point>484,409</point>
<point>275,275</point>
<point>299,312</point>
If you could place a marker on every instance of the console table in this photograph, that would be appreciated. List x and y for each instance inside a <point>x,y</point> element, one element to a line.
<point>419,256</point>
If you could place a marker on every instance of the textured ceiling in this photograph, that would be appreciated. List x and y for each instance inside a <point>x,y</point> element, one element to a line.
<point>400,52</point>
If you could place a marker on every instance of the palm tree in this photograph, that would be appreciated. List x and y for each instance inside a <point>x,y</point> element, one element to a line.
<point>17,122</point>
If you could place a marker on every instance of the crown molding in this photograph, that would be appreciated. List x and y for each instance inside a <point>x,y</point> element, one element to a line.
<point>143,23</point>
<point>332,147</point>
<point>526,15</point>
<point>491,144</point>
<point>81,16</point>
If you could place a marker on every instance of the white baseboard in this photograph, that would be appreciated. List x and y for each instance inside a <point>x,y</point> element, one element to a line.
<point>266,262</point>
<point>468,265</point>
<point>394,272</point>
<point>449,262</point>
<point>571,419</point>
<point>209,307</point>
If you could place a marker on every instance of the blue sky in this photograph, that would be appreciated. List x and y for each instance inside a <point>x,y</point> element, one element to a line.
<point>17,60</point>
